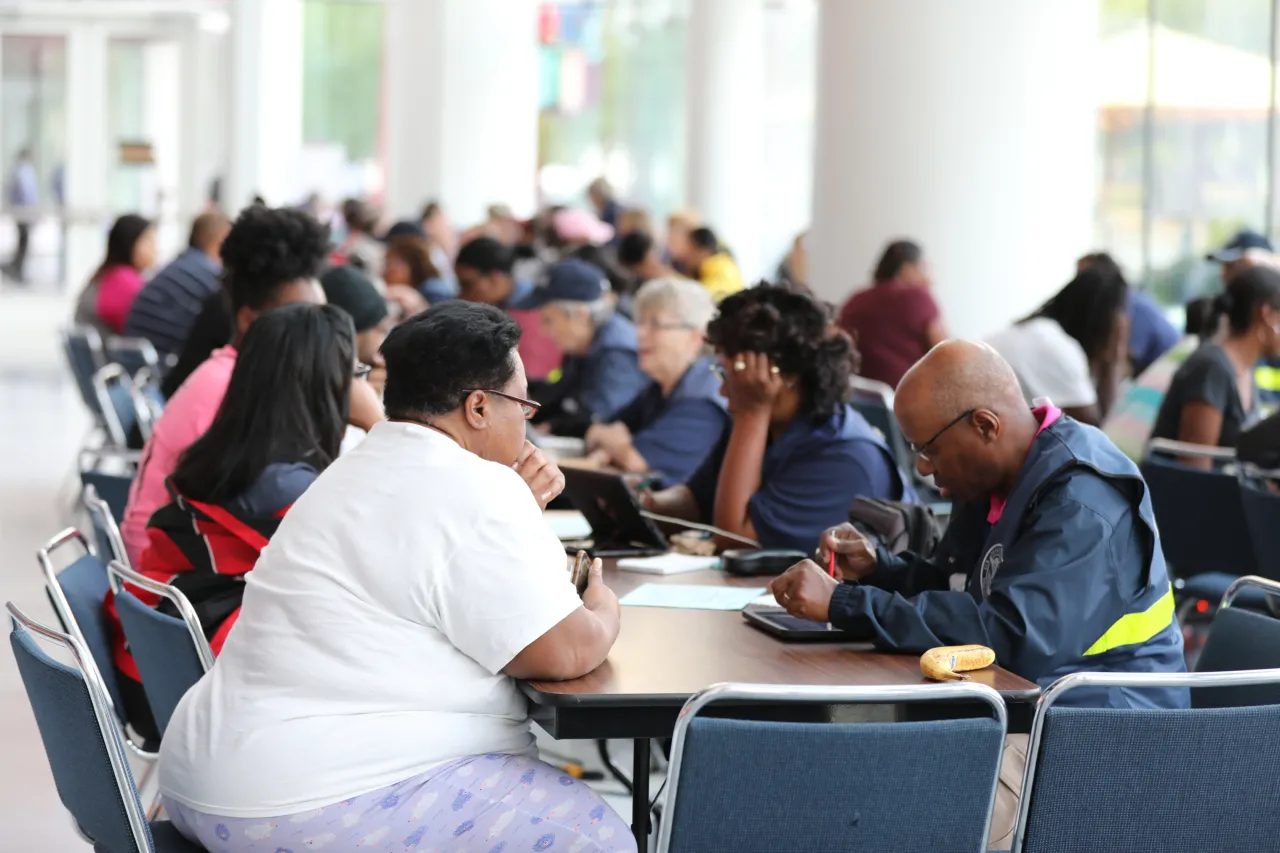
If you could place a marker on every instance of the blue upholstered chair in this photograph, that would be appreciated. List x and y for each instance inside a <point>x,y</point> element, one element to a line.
<point>106,532</point>
<point>1240,638</point>
<point>171,652</point>
<point>1151,780</point>
<point>753,787</point>
<point>111,486</point>
<point>90,767</point>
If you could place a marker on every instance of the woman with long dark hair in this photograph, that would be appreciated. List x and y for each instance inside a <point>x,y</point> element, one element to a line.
<point>107,298</point>
<point>280,424</point>
<point>1074,349</point>
<point>796,453</point>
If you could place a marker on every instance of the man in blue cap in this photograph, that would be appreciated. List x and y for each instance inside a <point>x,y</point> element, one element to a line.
<point>600,374</point>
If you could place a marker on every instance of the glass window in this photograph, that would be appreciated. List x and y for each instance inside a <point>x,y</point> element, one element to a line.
<point>33,85</point>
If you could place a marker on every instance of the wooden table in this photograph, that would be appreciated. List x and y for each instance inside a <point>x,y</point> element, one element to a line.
<point>663,656</point>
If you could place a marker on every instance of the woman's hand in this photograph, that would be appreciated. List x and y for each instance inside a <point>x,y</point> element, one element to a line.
<point>614,439</point>
<point>855,555</point>
<point>752,382</point>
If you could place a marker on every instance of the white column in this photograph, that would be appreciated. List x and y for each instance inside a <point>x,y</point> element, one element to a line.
<point>203,117</point>
<point>89,148</point>
<point>266,102</point>
<point>724,123</point>
<point>462,105</point>
<point>967,126</point>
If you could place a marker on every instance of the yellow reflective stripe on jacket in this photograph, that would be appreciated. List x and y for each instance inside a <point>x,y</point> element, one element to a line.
<point>1267,378</point>
<point>1134,628</point>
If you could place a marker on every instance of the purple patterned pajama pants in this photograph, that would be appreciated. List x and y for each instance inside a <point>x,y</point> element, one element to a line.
<point>482,804</point>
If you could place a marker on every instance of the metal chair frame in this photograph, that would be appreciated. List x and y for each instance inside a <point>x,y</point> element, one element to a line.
<point>123,574</point>
<point>98,509</point>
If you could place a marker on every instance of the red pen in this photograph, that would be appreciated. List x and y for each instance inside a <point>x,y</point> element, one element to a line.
<point>831,564</point>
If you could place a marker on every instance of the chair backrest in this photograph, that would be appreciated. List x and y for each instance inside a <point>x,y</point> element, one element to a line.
<point>110,487</point>
<point>106,532</point>
<point>1200,518</point>
<point>1262,519</point>
<point>171,653</point>
<point>114,389</point>
<point>77,593</point>
<point>752,786</point>
<point>133,354</point>
<point>874,401</point>
<point>1151,780</point>
<point>74,716</point>
<point>1240,639</point>
<point>83,346</point>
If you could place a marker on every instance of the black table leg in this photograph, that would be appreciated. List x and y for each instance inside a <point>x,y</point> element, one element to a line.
<point>640,793</point>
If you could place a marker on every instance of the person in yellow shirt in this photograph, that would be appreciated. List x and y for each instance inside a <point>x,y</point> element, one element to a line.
<point>711,265</point>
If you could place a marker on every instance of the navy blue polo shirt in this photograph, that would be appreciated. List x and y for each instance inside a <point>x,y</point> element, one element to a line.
<point>1150,334</point>
<point>809,478</point>
<point>674,434</point>
<point>607,377</point>
<point>167,307</point>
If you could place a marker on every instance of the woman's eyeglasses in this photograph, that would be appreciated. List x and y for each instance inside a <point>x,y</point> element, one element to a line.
<point>527,407</point>
<point>362,371</point>
<point>655,326</point>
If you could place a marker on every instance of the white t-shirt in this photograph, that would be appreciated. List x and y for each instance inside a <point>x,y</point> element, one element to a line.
<point>373,633</point>
<point>1049,362</point>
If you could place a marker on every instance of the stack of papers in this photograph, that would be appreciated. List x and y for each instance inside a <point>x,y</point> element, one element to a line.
<point>668,564</point>
<point>568,524</point>
<point>692,597</point>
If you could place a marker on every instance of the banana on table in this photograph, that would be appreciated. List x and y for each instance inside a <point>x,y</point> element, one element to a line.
<point>949,663</point>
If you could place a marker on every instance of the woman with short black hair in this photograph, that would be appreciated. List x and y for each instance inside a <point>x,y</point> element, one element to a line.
<point>796,454</point>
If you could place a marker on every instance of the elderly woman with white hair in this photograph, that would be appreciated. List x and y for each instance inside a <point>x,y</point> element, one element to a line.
<point>676,420</point>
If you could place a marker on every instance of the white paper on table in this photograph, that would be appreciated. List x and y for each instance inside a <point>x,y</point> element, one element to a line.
<point>691,596</point>
<point>568,525</point>
<point>668,564</point>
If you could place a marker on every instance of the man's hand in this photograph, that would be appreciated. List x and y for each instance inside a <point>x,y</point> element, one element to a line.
<point>855,555</point>
<point>805,591</point>
<point>365,408</point>
<point>541,475</point>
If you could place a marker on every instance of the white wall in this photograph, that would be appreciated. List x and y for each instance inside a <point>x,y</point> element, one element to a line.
<point>968,126</point>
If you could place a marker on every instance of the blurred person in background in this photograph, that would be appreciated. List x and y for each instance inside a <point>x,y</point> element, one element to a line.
<point>441,238</point>
<point>353,292</point>
<point>574,228</point>
<point>795,266</point>
<point>603,202</point>
<point>106,299</point>
<point>638,255</point>
<point>705,260</point>
<point>600,373</point>
<point>797,454</point>
<point>633,219</point>
<point>680,223</point>
<point>1249,248</point>
<point>671,425</point>
<point>1074,350</point>
<point>411,278</point>
<point>895,321</point>
<point>359,247</point>
<point>1213,397</point>
<point>280,424</point>
<point>486,273</point>
<point>168,305</point>
<point>23,196</point>
<point>271,258</point>
<point>1151,335</point>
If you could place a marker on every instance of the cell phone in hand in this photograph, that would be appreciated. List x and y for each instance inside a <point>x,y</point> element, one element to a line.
<point>581,572</point>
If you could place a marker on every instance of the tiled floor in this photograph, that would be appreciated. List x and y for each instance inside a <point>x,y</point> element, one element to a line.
<point>42,423</point>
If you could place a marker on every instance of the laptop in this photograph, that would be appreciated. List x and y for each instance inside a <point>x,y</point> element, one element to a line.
<point>613,511</point>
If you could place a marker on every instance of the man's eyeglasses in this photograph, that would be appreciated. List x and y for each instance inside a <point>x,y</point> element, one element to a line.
<point>527,407</point>
<point>362,371</point>
<point>925,450</point>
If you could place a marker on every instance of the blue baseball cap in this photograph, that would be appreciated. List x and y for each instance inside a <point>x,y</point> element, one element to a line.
<point>571,280</point>
<point>1236,247</point>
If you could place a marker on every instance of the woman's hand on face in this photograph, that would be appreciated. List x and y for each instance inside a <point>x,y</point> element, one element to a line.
<point>365,405</point>
<point>752,382</point>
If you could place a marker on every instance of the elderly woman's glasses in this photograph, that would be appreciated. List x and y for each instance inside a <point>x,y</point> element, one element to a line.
<point>656,326</point>
<point>528,408</point>
<point>362,371</point>
<point>925,450</point>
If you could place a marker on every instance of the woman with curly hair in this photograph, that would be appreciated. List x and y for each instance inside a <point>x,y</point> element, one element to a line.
<point>271,257</point>
<point>796,454</point>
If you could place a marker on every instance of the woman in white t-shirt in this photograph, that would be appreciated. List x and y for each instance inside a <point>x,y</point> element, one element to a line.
<point>366,698</point>
<point>1075,349</point>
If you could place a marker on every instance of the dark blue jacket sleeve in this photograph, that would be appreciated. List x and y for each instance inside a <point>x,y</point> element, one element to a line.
<point>612,380</point>
<point>1061,585</point>
<point>814,491</point>
<point>683,435</point>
